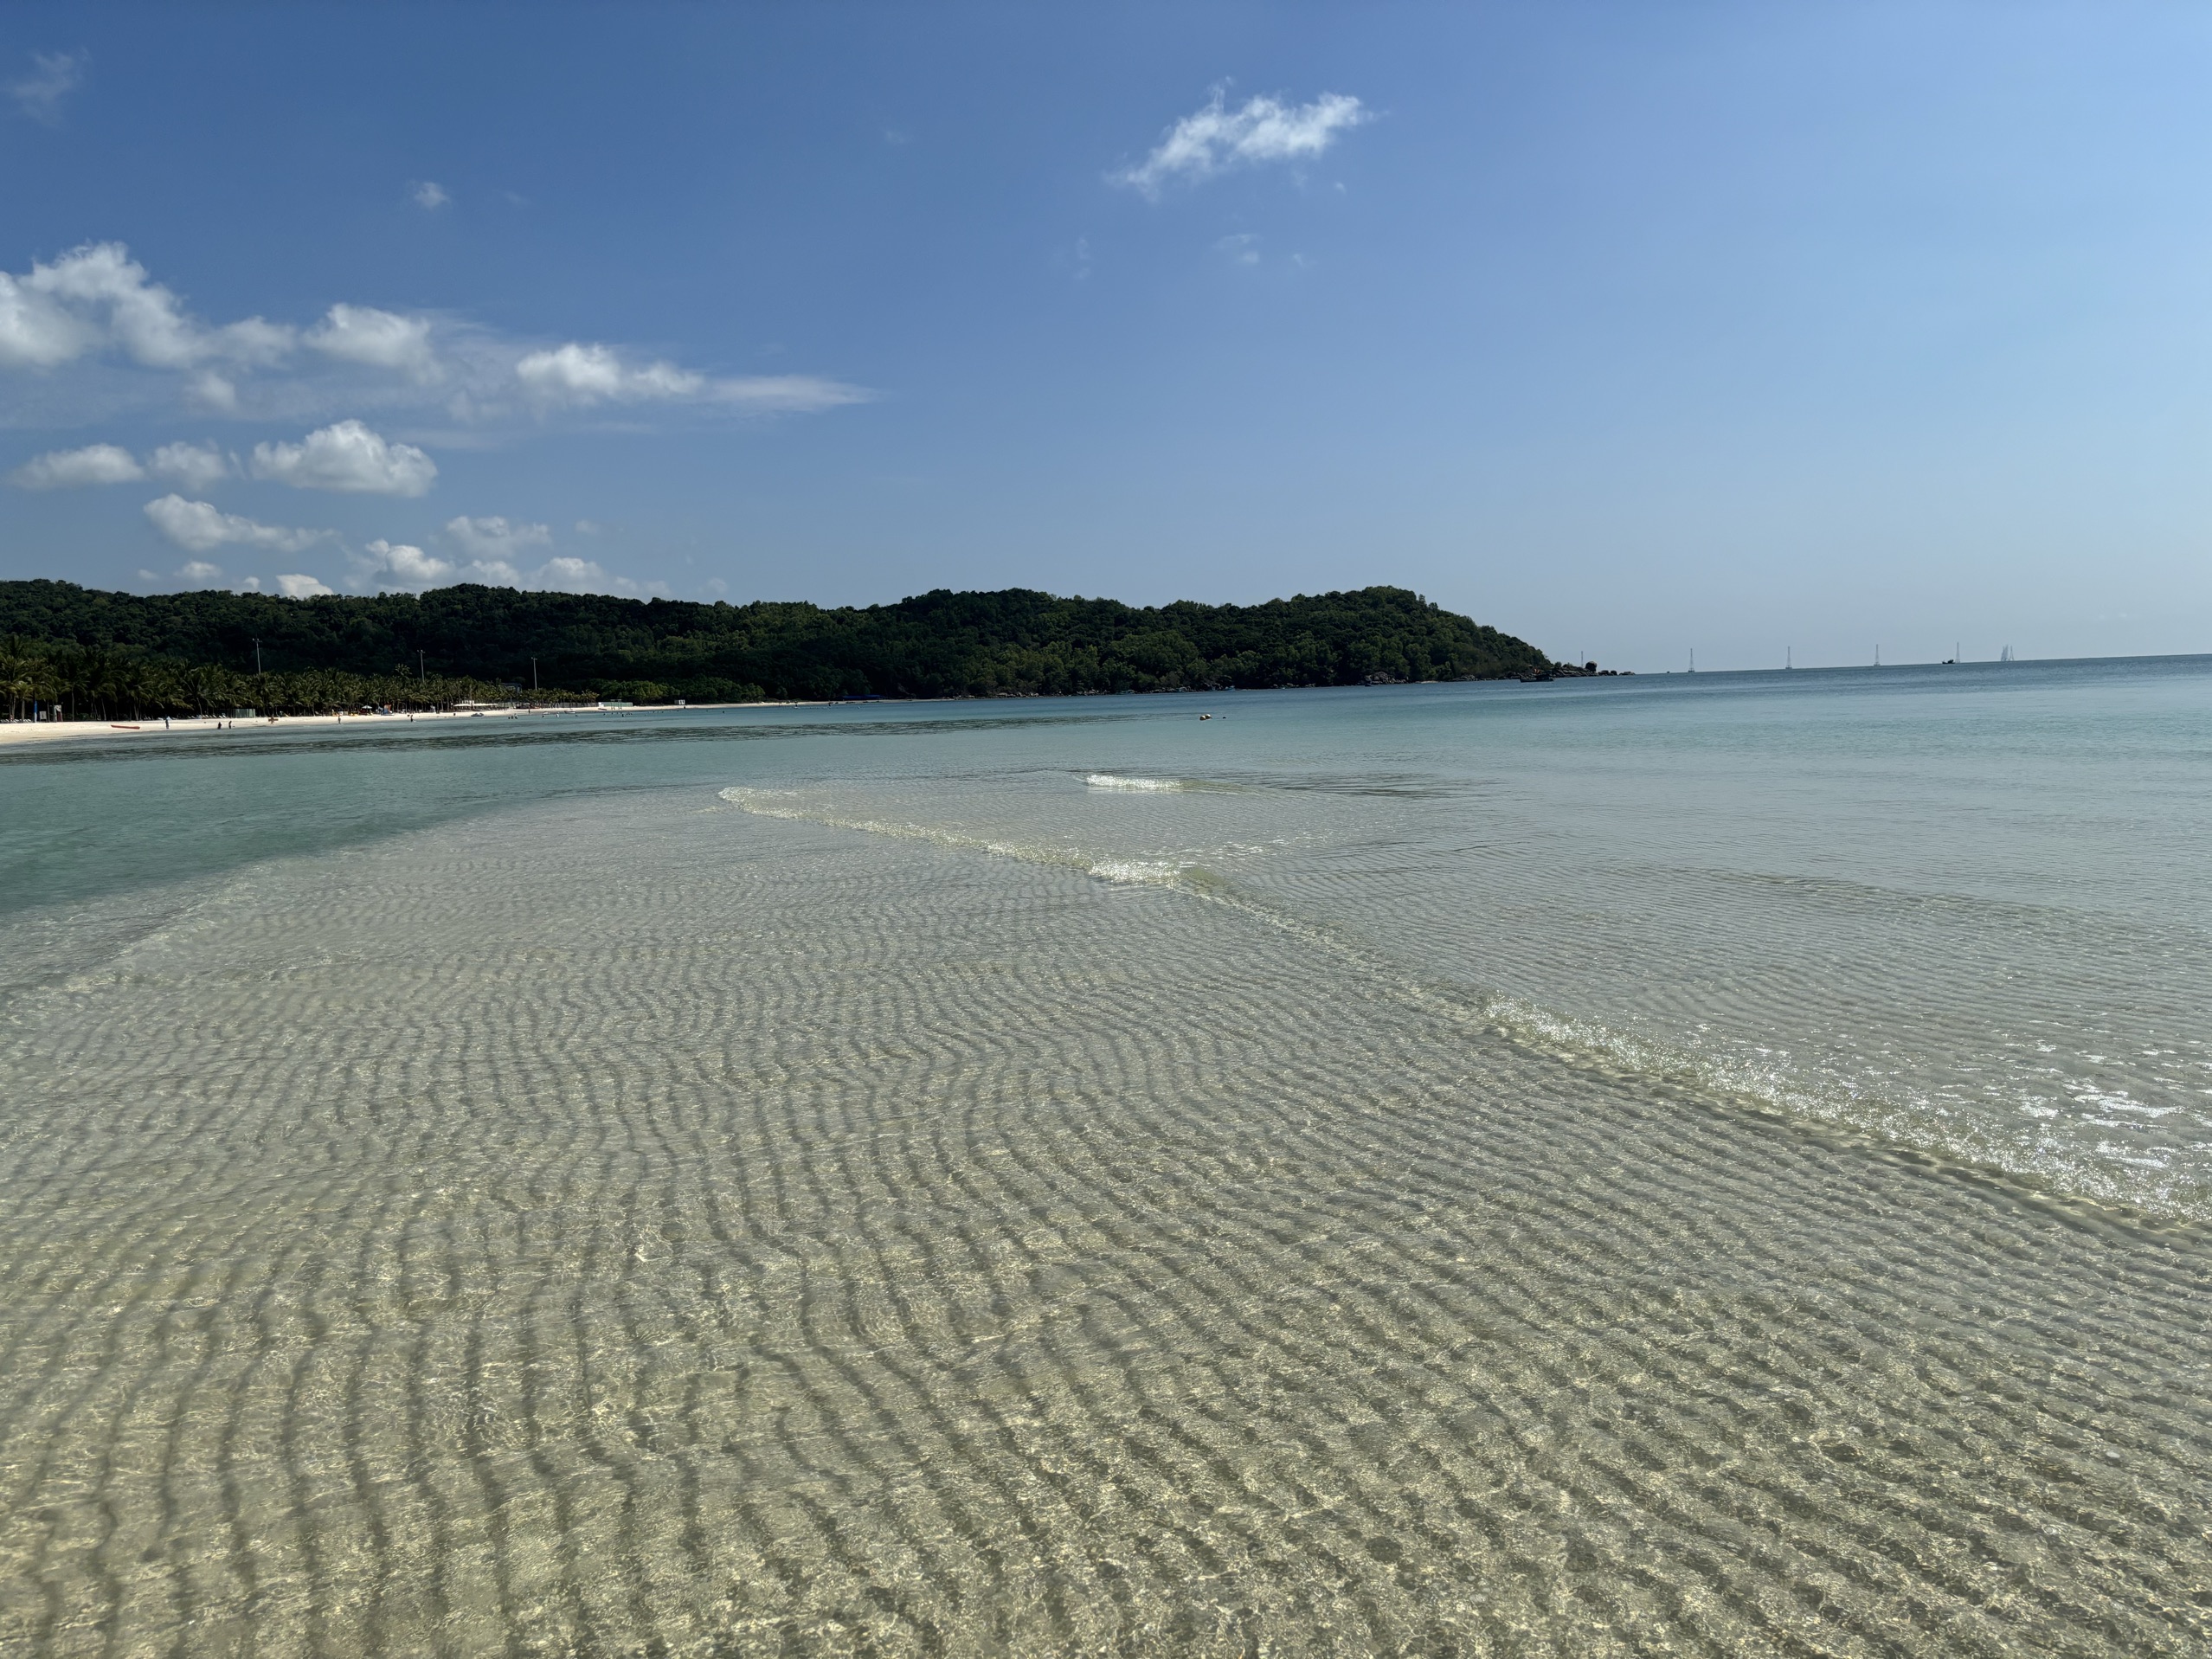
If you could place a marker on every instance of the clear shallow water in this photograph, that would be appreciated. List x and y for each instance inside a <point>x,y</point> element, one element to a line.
<point>1468,1169</point>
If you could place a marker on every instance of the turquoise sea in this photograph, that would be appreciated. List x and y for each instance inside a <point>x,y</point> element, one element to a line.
<point>1714,1163</point>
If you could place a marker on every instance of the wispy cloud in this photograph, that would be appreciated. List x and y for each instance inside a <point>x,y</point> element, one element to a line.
<point>578,375</point>
<point>196,466</point>
<point>493,538</point>
<point>40,95</point>
<point>1216,139</point>
<point>429,195</point>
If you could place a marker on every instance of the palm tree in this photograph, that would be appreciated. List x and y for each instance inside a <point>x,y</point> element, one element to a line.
<point>203,682</point>
<point>16,659</point>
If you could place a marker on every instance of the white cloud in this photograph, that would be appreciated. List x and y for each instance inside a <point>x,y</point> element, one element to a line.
<point>302,587</point>
<point>580,375</point>
<point>216,391</point>
<point>397,565</point>
<point>589,373</point>
<point>40,95</point>
<point>569,575</point>
<point>143,317</point>
<point>68,469</point>
<point>404,566</point>
<point>787,394</point>
<point>196,466</point>
<point>494,537</point>
<point>430,196</point>
<point>96,305</point>
<point>381,339</point>
<point>199,526</point>
<point>200,572</point>
<point>36,332</point>
<point>98,296</point>
<point>1243,248</point>
<point>1265,129</point>
<point>348,458</point>
<point>495,544</point>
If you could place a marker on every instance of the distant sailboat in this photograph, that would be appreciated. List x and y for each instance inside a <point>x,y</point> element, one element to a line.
<point>2005,655</point>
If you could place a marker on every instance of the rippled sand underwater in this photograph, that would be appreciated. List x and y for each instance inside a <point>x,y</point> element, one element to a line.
<point>648,1226</point>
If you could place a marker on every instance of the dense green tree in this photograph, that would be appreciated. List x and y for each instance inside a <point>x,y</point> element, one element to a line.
<point>114,651</point>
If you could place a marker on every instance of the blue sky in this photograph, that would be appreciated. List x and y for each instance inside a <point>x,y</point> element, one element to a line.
<point>1634,330</point>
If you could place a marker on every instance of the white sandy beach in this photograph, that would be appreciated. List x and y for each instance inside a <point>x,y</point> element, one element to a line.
<point>40,731</point>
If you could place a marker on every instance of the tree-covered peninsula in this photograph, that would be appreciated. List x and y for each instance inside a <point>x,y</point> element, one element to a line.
<point>100,653</point>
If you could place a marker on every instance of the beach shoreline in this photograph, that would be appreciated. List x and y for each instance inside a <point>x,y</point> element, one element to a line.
<point>41,731</point>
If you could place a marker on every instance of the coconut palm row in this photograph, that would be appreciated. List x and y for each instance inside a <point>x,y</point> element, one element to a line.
<point>72,682</point>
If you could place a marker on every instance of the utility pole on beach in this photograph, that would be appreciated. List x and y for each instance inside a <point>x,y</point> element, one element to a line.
<point>533,673</point>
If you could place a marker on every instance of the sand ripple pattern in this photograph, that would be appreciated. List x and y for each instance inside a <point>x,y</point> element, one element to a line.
<point>657,1230</point>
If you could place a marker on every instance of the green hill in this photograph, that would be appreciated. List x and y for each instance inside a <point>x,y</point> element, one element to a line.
<point>340,651</point>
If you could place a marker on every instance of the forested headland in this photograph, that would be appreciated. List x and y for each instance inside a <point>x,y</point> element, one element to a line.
<point>100,655</point>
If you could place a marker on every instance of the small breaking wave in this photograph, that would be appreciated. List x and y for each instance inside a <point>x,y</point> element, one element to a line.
<point>785,803</point>
<point>2040,1159</point>
<point>1115,780</point>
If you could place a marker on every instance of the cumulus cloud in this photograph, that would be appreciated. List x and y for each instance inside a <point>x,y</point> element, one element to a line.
<point>570,575</point>
<point>199,572</point>
<point>348,458</point>
<point>381,339</point>
<point>495,546</point>
<point>298,587</point>
<point>492,542</point>
<point>96,307</point>
<point>36,332</point>
<point>1216,139</point>
<point>98,297</point>
<point>430,196</point>
<point>196,466</point>
<point>201,526</point>
<point>40,95</point>
<point>69,469</point>
<point>494,537</point>
<point>395,564</point>
<point>579,374</point>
